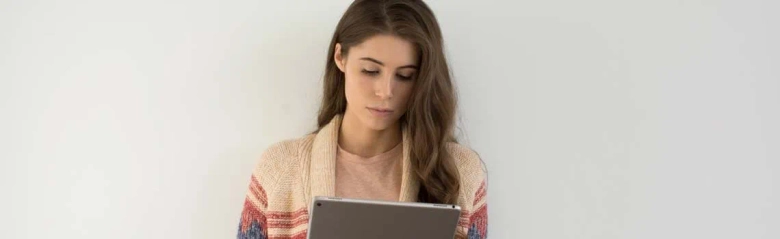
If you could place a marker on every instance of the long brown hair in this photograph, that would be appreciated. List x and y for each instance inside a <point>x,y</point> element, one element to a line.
<point>430,115</point>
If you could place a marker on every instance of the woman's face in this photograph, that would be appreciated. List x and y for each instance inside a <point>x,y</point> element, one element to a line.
<point>380,73</point>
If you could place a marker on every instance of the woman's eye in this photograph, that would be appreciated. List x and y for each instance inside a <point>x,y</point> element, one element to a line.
<point>403,77</point>
<point>371,73</point>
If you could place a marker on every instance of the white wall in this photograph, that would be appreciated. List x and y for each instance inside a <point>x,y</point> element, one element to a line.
<point>597,119</point>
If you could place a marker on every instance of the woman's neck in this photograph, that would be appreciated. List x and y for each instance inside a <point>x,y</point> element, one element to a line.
<point>357,138</point>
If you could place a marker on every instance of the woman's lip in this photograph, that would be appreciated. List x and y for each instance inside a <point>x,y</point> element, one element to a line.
<point>380,112</point>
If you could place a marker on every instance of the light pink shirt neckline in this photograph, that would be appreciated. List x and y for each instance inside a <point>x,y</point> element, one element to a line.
<point>393,153</point>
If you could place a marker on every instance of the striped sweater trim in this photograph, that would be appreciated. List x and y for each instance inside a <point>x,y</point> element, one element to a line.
<point>479,218</point>
<point>288,220</point>
<point>293,224</point>
<point>252,225</point>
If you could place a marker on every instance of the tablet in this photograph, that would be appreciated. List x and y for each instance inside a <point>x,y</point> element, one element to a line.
<point>343,218</point>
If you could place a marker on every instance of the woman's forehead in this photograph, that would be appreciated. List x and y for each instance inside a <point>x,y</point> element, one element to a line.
<point>390,50</point>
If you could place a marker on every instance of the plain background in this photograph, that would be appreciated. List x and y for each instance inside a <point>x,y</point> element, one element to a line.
<point>596,119</point>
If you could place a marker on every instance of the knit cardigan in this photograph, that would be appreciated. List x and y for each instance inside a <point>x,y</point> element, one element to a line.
<point>290,173</point>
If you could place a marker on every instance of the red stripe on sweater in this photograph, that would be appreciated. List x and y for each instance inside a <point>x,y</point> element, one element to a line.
<point>481,192</point>
<point>287,224</point>
<point>251,214</point>
<point>287,215</point>
<point>257,190</point>
<point>288,220</point>
<point>480,219</point>
<point>463,221</point>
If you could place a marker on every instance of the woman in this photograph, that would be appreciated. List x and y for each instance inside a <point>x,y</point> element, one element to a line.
<point>385,129</point>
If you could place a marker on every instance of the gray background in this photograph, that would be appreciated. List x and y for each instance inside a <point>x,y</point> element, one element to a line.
<point>597,119</point>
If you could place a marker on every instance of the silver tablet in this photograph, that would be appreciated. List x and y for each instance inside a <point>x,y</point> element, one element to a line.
<point>342,218</point>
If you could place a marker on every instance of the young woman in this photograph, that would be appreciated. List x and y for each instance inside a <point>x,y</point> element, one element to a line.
<point>385,129</point>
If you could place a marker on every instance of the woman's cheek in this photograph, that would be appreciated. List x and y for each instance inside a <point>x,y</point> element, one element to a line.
<point>406,91</point>
<point>357,87</point>
<point>351,85</point>
<point>366,84</point>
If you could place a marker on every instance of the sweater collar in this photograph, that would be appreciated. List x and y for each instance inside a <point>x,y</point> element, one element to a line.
<point>323,164</point>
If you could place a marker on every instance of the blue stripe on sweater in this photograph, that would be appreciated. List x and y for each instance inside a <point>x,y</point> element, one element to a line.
<point>253,232</point>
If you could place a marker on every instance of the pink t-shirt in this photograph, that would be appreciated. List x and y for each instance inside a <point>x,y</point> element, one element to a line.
<point>377,177</point>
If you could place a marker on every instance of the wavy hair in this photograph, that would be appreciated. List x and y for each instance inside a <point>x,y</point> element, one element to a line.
<point>430,115</point>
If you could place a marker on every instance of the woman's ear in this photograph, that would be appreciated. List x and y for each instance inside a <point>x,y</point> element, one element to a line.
<point>338,57</point>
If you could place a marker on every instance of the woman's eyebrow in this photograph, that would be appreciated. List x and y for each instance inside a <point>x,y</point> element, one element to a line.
<point>383,64</point>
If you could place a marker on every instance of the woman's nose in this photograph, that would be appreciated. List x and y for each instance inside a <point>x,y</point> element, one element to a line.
<point>384,87</point>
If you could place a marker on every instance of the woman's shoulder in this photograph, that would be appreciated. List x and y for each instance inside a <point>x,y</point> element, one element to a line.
<point>471,168</point>
<point>465,157</point>
<point>283,154</point>
<point>287,148</point>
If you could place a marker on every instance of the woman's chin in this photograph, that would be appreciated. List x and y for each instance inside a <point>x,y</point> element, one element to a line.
<point>379,124</point>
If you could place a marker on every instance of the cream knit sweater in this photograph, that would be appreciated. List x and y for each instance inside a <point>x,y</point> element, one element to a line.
<point>290,173</point>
